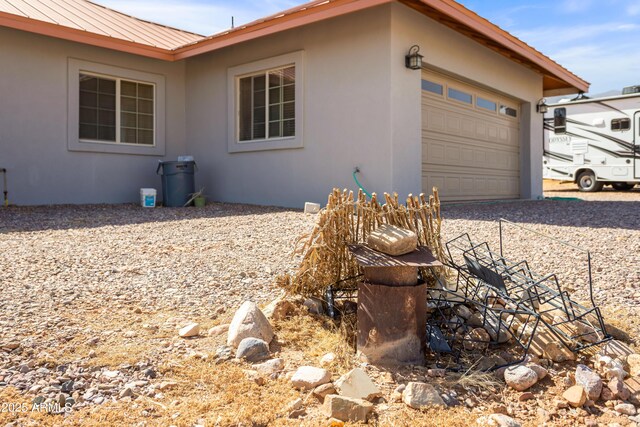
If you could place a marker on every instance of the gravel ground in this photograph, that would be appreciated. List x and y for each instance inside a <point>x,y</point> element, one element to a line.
<point>73,276</point>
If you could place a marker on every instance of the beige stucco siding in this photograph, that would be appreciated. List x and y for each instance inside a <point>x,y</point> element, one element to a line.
<point>346,115</point>
<point>33,125</point>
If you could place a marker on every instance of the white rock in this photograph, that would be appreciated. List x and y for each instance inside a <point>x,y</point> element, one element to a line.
<point>270,366</point>
<point>392,240</point>
<point>589,380</point>
<point>625,408</point>
<point>218,330</point>
<point>421,395</point>
<point>249,322</point>
<point>520,377</point>
<point>191,330</point>
<point>497,420</point>
<point>357,384</point>
<point>327,359</point>
<point>633,360</point>
<point>110,374</point>
<point>279,309</point>
<point>308,377</point>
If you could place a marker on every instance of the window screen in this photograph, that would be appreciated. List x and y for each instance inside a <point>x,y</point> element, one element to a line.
<point>97,108</point>
<point>560,120</point>
<point>508,111</point>
<point>267,105</point>
<point>620,124</point>
<point>100,109</point>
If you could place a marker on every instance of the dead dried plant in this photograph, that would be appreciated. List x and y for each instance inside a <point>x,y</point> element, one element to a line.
<point>325,256</point>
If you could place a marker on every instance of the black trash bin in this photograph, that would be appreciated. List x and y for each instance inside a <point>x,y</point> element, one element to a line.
<point>178,182</point>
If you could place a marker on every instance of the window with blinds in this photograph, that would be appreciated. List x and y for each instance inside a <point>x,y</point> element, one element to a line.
<point>116,110</point>
<point>267,105</point>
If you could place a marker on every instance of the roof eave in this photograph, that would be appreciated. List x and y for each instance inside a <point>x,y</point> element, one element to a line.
<point>492,32</point>
<point>72,34</point>
<point>281,22</point>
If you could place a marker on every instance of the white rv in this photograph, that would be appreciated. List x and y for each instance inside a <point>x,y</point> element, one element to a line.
<point>594,142</point>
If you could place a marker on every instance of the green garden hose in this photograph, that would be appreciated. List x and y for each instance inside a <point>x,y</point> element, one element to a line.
<point>355,178</point>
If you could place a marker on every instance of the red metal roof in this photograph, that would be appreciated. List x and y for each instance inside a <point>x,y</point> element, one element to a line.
<point>87,22</point>
<point>93,18</point>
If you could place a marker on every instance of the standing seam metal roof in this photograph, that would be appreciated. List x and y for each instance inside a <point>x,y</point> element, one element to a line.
<point>87,22</point>
<point>93,18</point>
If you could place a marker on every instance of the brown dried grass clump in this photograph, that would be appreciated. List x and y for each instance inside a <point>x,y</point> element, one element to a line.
<point>326,258</point>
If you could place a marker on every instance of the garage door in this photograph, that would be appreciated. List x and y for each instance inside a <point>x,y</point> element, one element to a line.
<point>470,140</point>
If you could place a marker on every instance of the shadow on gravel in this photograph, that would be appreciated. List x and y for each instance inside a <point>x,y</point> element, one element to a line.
<point>67,217</point>
<point>568,213</point>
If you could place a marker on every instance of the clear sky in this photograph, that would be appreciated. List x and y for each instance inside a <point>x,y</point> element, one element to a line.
<point>599,40</point>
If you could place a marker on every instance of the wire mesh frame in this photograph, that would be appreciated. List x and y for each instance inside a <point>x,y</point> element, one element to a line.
<point>571,322</point>
<point>507,322</point>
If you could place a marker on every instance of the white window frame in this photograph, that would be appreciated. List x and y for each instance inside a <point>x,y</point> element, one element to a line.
<point>74,143</point>
<point>234,74</point>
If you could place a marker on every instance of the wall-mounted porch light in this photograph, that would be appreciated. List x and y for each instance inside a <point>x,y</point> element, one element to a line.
<point>542,107</point>
<point>413,60</point>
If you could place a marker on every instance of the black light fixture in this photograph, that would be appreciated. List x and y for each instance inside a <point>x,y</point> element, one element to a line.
<point>542,107</point>
<point>413,60</point>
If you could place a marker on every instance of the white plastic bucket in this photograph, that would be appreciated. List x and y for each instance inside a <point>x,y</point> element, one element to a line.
<point>148,197</point>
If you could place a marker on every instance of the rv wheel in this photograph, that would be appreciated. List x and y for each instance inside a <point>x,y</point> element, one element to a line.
<point>622,186</point>
<point>587,182</point>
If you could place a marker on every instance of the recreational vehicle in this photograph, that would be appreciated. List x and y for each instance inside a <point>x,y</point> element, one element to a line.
<point>594,142</point>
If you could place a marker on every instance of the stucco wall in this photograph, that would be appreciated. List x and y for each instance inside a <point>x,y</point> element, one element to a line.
<point>361,108</point>
<point>452,52</point>
<point>347,115</point>
<point>33,125</point>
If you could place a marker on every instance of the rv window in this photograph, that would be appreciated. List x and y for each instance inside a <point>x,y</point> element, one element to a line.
<point>508,111</point>
<point>560,120</point>
<point>620,124</point>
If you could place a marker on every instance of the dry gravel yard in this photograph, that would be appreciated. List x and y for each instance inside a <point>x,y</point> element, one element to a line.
<point>97,291</point>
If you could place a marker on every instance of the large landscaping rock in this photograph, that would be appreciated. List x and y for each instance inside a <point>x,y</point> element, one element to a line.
<point>590,381</point>
<point>421,395</point>
<point>357,384</point>
<point>393,240</point>
<point>308,377</point>
<point>520,377</point>
<point>346,408</point>
<point>253,350</point>
<point>249,322</point>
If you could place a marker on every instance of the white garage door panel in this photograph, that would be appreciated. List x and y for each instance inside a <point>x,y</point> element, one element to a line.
<point>471,187</point>
<point>468,152</point>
